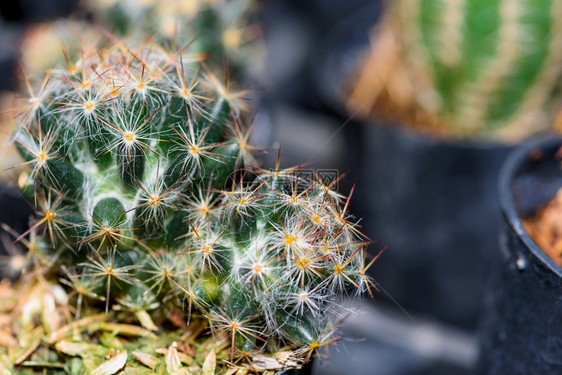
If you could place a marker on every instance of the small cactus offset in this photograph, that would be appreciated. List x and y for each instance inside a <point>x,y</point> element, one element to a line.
<point>474,67</point>
<point>135,160</point>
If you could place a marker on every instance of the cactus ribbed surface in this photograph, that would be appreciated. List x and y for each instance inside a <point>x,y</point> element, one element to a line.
<point>135,160</point>
<point>221,32</point>
<point>467,67</point>
<point>487,64</point>
<point>218,28</point>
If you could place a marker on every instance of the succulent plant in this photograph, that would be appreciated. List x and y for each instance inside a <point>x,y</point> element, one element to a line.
<point>221,33</point>
<point>216,31</point>
<point>218,28</point>
<point>476,66</point>
<point>140,171</point>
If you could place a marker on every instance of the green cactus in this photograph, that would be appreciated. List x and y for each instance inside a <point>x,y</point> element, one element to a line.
<point>135,163</point>
<point>217,31</point>
<point>483,66</point>
<point>218,28</point>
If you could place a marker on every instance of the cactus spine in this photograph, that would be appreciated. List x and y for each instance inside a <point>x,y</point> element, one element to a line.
<point>133,163</point>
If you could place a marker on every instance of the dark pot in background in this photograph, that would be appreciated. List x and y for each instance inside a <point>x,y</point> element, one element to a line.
<point>10,40</point>
<point>433,202</point>
<point>522,330</point>
<point>14,211</point>
<point>35,10</point>
<point>305,370</point>
<point>296,32</point>
<point>14,17</point>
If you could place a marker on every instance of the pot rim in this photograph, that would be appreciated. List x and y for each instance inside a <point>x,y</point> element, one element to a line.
<point>507,173</point>
<point>428,139</point>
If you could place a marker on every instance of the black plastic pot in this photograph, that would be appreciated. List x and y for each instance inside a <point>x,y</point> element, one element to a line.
<point>305,370</point>
<point>522,329</point>
<point>296,33</point>
<point>14,211</point>
<point>432,202</point>
<point>35,10</point>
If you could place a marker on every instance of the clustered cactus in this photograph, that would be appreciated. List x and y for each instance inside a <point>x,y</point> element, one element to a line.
<point>222,33</point>
<point>474,66</point>
<point>140,170</point>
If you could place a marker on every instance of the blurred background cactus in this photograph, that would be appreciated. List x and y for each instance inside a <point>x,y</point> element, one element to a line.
<point>43,42</point>
<point>467,68</point>
<point>137,160</point>
<point>219,28</point>
<point>219,31</point>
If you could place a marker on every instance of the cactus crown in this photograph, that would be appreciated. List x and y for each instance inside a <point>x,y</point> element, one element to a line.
<point>134,158</point>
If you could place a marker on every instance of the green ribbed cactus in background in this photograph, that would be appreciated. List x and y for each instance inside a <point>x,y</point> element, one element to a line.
<point>135,159</point>
<point>483,65</point>
<point>219,28</point>
<point>217,31</point>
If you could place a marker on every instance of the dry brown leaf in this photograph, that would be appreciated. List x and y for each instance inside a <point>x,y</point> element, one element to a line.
<point>127,330</point>
<point>148,360</point>
<point>210,363</point>
<point>64,330</point>
<point>7,340</point>
<point>75,348</point>
<point>30,349</point>
<point>184,358</point>
<point>112,365</point>
<point>145,320</point>
<point>173,362</point>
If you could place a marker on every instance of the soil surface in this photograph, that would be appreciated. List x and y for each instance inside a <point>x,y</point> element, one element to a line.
<point>545,227</point>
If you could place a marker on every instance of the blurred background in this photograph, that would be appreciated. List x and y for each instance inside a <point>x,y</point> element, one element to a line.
<point>430,201</point>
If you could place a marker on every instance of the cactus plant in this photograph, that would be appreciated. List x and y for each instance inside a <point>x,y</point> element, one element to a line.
<point>221,29</point>
<point>135,160</point>
<point>217,31</point>
<point>475,67</point>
